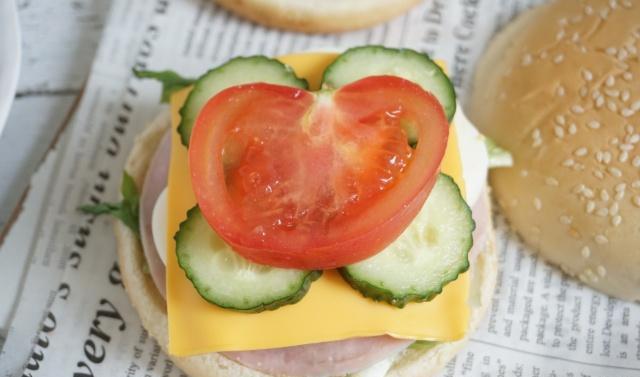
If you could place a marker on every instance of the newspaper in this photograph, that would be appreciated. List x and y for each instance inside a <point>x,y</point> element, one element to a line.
<point>73,317</point>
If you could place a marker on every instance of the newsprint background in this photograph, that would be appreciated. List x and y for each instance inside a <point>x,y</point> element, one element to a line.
<point>73,316</point>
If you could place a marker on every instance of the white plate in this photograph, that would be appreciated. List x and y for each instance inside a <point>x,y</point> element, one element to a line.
<point>9,57</point>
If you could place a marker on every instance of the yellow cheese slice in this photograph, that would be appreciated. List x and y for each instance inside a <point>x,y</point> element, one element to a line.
<point>331,310</point>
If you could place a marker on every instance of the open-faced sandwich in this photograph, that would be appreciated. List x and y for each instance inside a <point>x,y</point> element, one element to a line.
<point>318,214</point>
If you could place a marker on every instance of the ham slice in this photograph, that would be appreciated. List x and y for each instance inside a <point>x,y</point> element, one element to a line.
<point>322,359</point>
<point>154,182</point>
<point>313,360</point>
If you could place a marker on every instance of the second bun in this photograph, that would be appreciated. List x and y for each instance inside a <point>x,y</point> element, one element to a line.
<point>559,88</point>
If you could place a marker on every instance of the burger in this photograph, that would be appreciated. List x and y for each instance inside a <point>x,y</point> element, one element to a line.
<point>318,214</point>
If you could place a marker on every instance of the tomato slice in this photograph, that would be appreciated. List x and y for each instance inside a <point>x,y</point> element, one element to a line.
<point>304,180</point>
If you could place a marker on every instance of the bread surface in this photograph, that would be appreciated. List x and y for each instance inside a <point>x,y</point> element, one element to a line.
<point>318,16</point>
<point>559,88</point>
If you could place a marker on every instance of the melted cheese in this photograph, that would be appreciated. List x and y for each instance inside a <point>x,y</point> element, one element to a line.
<point>331,310</point>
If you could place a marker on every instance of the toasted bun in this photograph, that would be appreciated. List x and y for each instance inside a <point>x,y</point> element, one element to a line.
<point>559,88</point>
<point>318,16</point>
<point>152,311</point>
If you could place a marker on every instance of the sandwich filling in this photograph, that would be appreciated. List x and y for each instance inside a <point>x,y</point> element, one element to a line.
<point>349,332</point>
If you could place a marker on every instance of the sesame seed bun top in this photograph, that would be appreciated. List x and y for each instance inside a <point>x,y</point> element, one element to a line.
<point>559,87</point>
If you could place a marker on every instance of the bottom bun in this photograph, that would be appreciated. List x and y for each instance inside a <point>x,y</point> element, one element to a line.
<point>152,309</point>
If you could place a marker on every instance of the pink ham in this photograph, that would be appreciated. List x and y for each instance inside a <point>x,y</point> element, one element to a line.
<point>154,183</point>
<point>320,359</point>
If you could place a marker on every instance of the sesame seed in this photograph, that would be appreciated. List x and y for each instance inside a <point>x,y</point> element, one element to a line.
<point>560,91</point>
<point>561,120</point>
<point>587,75</point>
<point>612,106</point>
<point>606,157</point>
<point>601,271</point>
<point>577,109</point>
<point>626,95</point>
<point>550,181</point>
<point>612,93</point>
<point>587,192</point>
<point>524,173</point>
<point>537,143</point>
<point>627,112</point>
<point>575,37</point>
<point>566,220</point>
<point>611,51</point>
<point>568,163</point>
<point>601,239</point>
<point>588,10</point>
<point>598,174</point>
<point>591,206</point>
<point>615,171</point>
<point>537,203</point>
<point>604,13</point>
<point>623,157</point>
<point>636,162</point>
<point>573,129</point>
<point>629,128</point>
<point>613,4</point>
<point>621,187</point>
<point>536,133</point>
<point>527,59</point>
<point>627,4</point>
<point>614,141</point>
<point>560,34</point>
<point>584,92</point>
<point>604,195</point>
<point>635,106</point>
<point>628,76</point>
<point>586,252</point>
<point>600,102</point>
<point>632,50</point>
<point>614,209</point>
<point>622,54</point>
<point>581,152</point>
<point>594,124</point>
<point>595,94</point>
<point>619,195</point>
<point>602,212</point>
<point>610,81</point>
<point>558,59</point>
<point>636,201</point>
<point>559,131</point>
<point>633,139</point>
<point>636,184</point>
<point>563,21</point>
<point>625,147</point>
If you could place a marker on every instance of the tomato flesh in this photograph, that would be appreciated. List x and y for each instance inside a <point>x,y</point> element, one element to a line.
<point>296,179</point>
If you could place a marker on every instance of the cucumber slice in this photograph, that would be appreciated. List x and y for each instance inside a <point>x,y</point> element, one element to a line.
<point>238,71</point>
<point>430,253</point>
<point>360,62</point>
<point>226,279</point>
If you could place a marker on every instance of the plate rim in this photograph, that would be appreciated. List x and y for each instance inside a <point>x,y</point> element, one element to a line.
<point>10,68</point>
